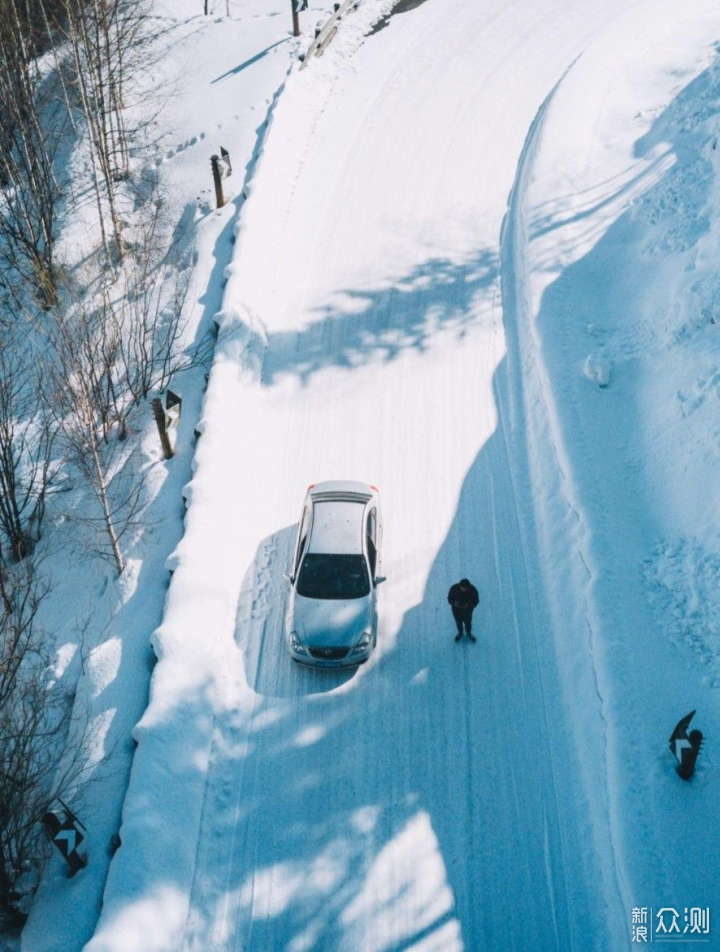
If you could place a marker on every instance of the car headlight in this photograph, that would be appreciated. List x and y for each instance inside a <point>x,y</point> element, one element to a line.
<point>295,642</point>
<point>364,642</point>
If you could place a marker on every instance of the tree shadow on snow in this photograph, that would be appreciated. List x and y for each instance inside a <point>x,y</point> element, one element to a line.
<point>376,325</point>
<point>382,813</point>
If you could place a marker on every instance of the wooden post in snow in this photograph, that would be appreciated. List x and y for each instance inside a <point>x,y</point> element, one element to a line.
<point>217,179</point>
<point>297,7</point>
<point>159,414</point>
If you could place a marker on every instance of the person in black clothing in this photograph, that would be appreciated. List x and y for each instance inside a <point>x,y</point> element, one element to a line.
<point>463,598</point>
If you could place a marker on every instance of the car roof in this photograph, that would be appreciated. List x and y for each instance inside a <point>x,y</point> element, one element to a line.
<point>337,526</point>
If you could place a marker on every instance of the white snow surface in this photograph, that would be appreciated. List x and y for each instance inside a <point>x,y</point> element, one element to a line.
<point>445,220</point>
<point>616,248</point>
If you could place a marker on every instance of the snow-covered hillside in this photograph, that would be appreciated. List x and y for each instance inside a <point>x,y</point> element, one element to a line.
<point>475,268</point>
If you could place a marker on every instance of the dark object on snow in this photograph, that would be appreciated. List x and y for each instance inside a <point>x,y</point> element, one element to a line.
<point>217,180</point>
<point>225,163</point>
<point>161,419</point>
<point>297,7</point>
<point>173,410</point>
<point>685,747</point>
<point>463,598</point>
<point>65,834</point>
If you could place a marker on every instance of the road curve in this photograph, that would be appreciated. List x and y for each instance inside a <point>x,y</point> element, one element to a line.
<point>432,800</point>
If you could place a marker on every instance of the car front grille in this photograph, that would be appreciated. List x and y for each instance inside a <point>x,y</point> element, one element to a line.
<point>329,654</point>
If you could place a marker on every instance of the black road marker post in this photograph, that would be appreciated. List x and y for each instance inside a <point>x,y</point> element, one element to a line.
<point>685,747</point>
<point>65,834</point>
<point>297,7</point>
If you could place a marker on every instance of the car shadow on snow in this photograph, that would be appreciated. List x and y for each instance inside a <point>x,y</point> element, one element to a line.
<point>260,627</point>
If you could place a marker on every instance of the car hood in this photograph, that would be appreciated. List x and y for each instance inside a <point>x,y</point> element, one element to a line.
<point>326,622</point>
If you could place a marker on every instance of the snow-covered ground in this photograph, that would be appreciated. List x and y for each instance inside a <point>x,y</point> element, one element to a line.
<point>476,268</point>
<point>380,323</point>
<point>617,223</point>
<point>209,82</point>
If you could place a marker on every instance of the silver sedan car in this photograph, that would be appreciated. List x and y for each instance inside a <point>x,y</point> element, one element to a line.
<point>331,619</point>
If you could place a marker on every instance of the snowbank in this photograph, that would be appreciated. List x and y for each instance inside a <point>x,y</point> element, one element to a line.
<point>616,225</point>
<point>215,77</point>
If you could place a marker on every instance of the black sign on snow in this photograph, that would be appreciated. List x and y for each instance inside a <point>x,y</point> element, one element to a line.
<point>299,5</point>
<point>65,834</point>
<point>173,409</point>
<point>685,747</point>
<point>68,838</point>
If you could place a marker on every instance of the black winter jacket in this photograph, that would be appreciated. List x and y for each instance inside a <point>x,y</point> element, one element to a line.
<point>463,600</point>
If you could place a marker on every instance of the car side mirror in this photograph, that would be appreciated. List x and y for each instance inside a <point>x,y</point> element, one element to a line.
<point>289,577</point>
<point>380,578</point>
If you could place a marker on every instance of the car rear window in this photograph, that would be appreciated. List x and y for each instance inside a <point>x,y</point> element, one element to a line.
<point>333,576</point>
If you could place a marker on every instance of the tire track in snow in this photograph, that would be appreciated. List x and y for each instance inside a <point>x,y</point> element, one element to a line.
<point>515,815</point>
<point>255,609</point>
<point>530,397</point>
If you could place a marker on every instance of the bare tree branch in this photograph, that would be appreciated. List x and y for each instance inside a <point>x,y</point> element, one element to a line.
<point>34,719</point>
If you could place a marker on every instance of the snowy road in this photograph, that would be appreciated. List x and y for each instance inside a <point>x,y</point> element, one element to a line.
<point>434,799</point>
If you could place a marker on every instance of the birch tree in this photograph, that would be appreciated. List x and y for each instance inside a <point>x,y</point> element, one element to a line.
<point>31,130</point>
<point>88,406</point>
<point>27,439</point>
<point>105,37</point>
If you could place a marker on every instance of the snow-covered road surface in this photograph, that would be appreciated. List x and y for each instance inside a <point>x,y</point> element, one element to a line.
<point>433,799</point>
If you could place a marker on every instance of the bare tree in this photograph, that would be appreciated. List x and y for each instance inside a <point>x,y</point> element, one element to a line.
<point>148,313</point>
<point>88,406</point>
<point>27,437</point>
<point>109,352</point>
<point>105,37</point>
<point>31,130</point>
<point>34,720</point>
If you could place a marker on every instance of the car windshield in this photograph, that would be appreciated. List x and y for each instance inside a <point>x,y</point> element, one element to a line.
<point>333,576</point>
